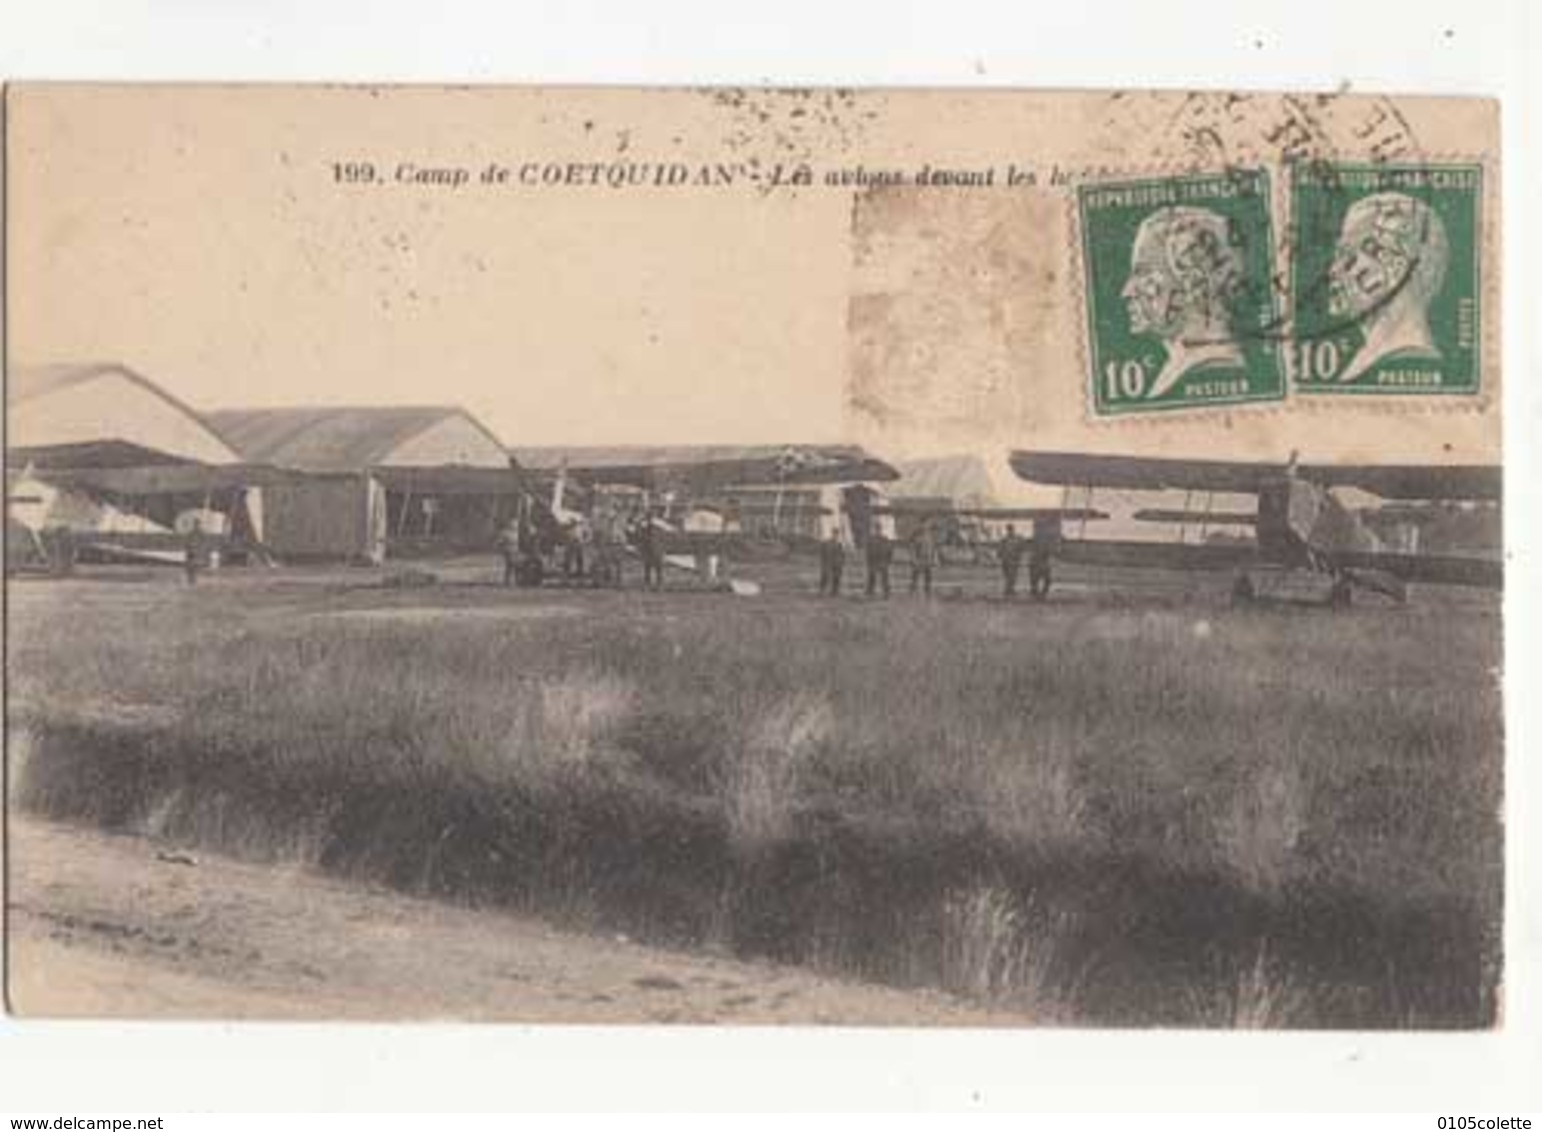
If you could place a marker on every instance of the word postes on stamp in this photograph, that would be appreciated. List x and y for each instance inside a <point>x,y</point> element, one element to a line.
<point>1385,278</point>
<point>1181,306</point>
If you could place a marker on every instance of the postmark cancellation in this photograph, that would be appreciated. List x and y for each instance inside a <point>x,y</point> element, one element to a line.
<point>1385,279</point>
<point>1377,288</point>
<point>1180,305</point>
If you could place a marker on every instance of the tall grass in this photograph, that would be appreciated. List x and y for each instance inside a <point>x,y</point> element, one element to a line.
<point>997,948</point>
<point>580,716</point>
<point>971,797</point>
<point>762,778</point>
<point>1261,831</point>
<point>1265,997</point>
<point>1257,993</point>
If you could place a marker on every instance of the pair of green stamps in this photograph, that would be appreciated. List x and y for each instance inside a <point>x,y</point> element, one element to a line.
<point>1184,296</point>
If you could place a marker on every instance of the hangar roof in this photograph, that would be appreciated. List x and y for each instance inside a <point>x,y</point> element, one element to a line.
<point>347,438</point>
<point>69,413</point>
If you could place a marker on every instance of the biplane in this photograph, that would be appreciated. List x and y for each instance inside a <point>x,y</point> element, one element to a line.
<point>119,502</point>
<point>702,468</point>
<point>703,502</point>
<point>1299,523</point>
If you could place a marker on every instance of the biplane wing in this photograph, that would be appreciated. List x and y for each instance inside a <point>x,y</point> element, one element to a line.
<point>142,548</point>
<point>999,514</point>
<point>1033,514</point>
<point>1437,569</point>
<point>1161,555</point>
<point>1141,473</point>
<point>166,479</point>
<point>1157,473</point>
<point>1441,569</point>
<point>704,468</point>
<point>88,503</point>
<point>1201,518</point>
<point>1478,483</point>
<point>1298,523</point>
<point>110,453</point>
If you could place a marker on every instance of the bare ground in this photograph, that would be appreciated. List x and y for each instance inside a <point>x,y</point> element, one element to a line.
<point>119,926</point>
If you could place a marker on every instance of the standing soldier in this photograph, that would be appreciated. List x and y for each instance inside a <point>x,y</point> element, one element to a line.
<point>923,558</point>
<point>1046,541</point>
<point>59,548</point>
<point>574,548</point>
<point>880,553</point>
<point>652,552</point>
<point>1009,552</point>
<point>1243,592</point>
<point>531,569</point>
<point>609,551</point>
<point>192,552</point>
<point>832,564</point>
<point>509,550</point>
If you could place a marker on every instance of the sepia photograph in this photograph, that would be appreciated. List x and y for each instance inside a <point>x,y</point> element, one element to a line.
<point>742,556</point>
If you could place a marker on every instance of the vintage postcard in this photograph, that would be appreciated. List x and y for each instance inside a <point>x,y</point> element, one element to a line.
<point>753,556</point>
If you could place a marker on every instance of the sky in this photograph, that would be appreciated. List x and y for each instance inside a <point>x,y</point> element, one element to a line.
<point>223,241</point>
<point>205,241</point>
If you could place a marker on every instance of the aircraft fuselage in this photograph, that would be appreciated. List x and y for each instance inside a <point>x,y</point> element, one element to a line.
<point>1301,524</point>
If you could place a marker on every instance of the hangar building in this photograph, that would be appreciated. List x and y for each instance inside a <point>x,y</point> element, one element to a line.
<point>100,414</point>
<point>381,481</point>
<point>121,456</point>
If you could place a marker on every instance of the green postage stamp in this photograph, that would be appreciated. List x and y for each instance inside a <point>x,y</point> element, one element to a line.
<point>1181,309</point>
<point>1384,278</point>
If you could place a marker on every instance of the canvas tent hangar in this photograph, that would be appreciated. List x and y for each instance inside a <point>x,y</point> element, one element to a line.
<point>106,450</point>
<point>971,495</point>
<point>966,480</point>
<point>379,481</point>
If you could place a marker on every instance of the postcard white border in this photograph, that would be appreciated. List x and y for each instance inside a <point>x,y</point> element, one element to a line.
<point>1473,47</point>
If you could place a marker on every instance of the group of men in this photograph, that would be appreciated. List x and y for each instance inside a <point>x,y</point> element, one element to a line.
<point>925,556</point>
<point>592,552</point>
<point>595,551</point>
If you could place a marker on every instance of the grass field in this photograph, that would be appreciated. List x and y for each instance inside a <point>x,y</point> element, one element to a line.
<point>1106,810</point>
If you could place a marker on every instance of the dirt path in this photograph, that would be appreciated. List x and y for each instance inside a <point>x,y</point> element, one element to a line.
<point>118,926</point>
